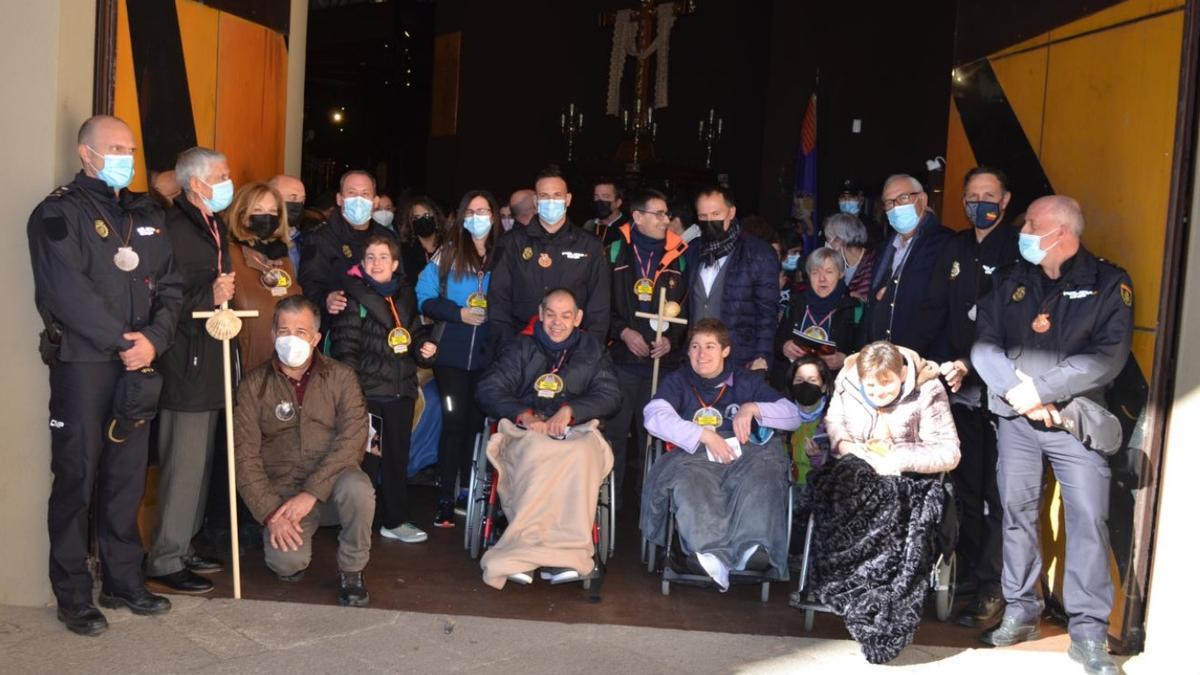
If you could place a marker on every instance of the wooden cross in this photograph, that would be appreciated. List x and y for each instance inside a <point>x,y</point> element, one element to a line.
<point>224,324</point>
<point>668,312</point>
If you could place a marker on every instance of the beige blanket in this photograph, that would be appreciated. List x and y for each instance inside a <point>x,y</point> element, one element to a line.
<point>548,490</point>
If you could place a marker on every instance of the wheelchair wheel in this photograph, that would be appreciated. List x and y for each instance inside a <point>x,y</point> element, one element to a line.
<point>947,579</point>
<point>475,489</point>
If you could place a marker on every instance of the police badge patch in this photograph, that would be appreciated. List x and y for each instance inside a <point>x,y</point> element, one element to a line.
<point>527,253</point>
<point>346,251</point>
<point>1019,294</point>
<point>954,270</point>
<point>1127,295</point>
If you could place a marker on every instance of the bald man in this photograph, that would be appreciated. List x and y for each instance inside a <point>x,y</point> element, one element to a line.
<point>523,204</point>
<point>292,189</point>
<point>1052,336</point>
<point>107,290</point>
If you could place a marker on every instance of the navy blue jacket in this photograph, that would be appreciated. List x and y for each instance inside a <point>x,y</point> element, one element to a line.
<point>748,386</point>
<point>750,302</point>
<point>890,316</point>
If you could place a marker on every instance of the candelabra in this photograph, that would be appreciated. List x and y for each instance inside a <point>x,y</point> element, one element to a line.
<point>709,134</point>
<point>571,124</point>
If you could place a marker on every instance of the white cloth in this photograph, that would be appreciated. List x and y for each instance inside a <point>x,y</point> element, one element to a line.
<point>708,273</point>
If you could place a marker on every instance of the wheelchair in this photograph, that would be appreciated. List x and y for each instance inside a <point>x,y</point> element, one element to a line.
<point>485,519</point>
<point>943,577</point>
<point>659,560</point>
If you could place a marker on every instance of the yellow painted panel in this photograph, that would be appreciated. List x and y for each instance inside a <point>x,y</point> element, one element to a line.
<point>125,99</point>
<point>1126,11</point>
<point>1143,349</point>
<point>251,99</point>
<point>1108,134</point>
<point>960,159</point>
<point>1032,42</point>
<point>1023,78</point>
<point>198,30</point>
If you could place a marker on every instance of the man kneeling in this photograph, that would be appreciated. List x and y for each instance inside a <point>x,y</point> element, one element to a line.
<point>550,382</point>
<point>301,431</point>
<point>730,496</point>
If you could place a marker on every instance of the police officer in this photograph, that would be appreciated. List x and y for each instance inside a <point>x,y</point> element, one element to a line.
<point>547,254</point>
<point>1052,335</point>
<point>107,291</point>
<point>963,275</point>
<point>337,244</point>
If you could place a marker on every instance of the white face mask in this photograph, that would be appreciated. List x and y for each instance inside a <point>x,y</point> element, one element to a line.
<point>292,351</point>
<point>383,217</point>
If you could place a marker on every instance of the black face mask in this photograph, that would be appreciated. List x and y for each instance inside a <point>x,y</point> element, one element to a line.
<point>603,209</point>
<point>711,230</point>
<point>424,225</point>
<point>263,225</point>
<point>295,213</point>
<point>806,393</point>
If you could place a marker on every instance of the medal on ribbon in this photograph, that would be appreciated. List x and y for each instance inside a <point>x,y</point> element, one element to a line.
<point>477,300</point>
<point>126,259</point>
<point>285,411</point>
<point>398,338</point>
<point>708,416</point>
<point>548,385</point>
<point>644,289</point>
<point>277,280</point>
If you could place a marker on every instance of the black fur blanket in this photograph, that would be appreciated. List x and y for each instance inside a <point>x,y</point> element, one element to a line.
<point>875,542</point>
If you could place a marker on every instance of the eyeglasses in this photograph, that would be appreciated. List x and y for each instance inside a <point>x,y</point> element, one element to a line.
<point>661,215</point>
<point>477,212</point>
<point>906,198</point>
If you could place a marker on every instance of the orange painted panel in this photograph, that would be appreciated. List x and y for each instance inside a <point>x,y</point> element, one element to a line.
<point>198,30</point>
<point>960,158</point>
<point>1125,11</point>
<point>125,99</point>
<point>1023,77</point>
<point>251,99</point>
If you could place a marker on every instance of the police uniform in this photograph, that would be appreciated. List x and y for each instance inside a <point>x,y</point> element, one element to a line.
<point>75,236</point>
<point>329,250</point>
<point>1071,336</point>
<point>945,331</point>
<point>531,262</point>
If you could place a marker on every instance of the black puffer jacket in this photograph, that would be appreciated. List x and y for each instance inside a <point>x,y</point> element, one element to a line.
<point>358,337</point>
<point>589,382</point>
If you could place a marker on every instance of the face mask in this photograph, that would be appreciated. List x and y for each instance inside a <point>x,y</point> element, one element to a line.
<point>759,435</point>
<point>295,213</point>
<point>356,210</point>
<point>383,217</point>
<point>711,230</point>
<point>478,226</point>
<point>222,196</point>
<point>552,210</point>
<point>1030,246</point>
<point>424,225</point>
<point>507,223</point>
<point>292,351</point>
<point>850,206</point>
<point>117,172</point>
<point>603,209</point>
<point>903,218</point>
<point>263,225</point>
<point>791,261</point>
<point>983,214</point>
<point>806,393</point>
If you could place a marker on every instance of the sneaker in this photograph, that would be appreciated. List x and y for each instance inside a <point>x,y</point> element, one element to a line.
<point>560,575</point>
<point>407,533</point>
<point>523,578</point>
<point>445,515</point>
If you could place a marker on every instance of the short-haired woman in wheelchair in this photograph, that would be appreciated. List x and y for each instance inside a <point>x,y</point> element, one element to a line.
<point>729,496</point>
<point>876,532</point>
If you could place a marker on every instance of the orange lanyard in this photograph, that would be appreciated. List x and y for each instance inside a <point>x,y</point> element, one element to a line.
<point>396,316</point>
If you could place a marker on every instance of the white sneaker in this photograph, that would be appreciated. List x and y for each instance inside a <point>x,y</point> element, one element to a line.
<point>407,533</point>
<point>523,578</point>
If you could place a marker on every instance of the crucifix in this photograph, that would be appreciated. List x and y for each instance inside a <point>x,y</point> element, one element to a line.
<point>224,324</point>
<point>668,313</point>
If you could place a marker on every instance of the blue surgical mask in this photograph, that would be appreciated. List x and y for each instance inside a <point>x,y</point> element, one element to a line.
<point>983,215</point>
<point>791,261</point>
<point>1030,246</point>
<point>850,206</point>
<point>903,218</point>
<point>552,210</point>
<point>222,196</point>
<point>356,210</point>
<point>759,435</point>
<point>478,225</point>
<point>118,170</point>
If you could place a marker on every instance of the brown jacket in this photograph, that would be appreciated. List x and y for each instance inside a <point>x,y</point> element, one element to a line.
<point>256,342</point>
<point>919,424</point>
<point>277,459</point>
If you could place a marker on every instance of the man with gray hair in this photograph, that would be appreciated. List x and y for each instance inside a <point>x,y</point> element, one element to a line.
<point>193,393</point>
<point>1052,336</point>
<point>906,262</point>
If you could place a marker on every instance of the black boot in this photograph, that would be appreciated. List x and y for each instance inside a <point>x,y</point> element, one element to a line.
<point>1010,632</point>
<point>184,581</point>
<point>351,591</point>
<point>139,601</point>
<point>984,611</point>
<point>85,620</point>
<point>1093,654</point>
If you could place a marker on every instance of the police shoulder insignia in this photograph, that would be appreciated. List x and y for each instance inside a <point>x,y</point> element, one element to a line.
<point>1127,295</point>
<point>101,229</point>
<point>346,251</point>
<point>527,253</point>
<point>1019,294</point>
<point>954,270</point>
<point>59,191</point>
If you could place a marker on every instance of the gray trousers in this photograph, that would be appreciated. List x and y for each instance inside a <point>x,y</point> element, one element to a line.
<point>351,505</point>
<point>185,453</point>
<point>1083,478</point>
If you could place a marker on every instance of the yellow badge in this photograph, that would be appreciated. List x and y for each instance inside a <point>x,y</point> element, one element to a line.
<point>101,229</point>
<point>954,270</point>
<point>527,253</point>
<point>548,385</point>
<point>346,251</point>
<point>1019,294</point>
<point>399,339</point>
<point>1127,295</point>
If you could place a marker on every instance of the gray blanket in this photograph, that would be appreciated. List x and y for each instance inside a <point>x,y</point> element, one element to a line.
<point>722,509</point>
